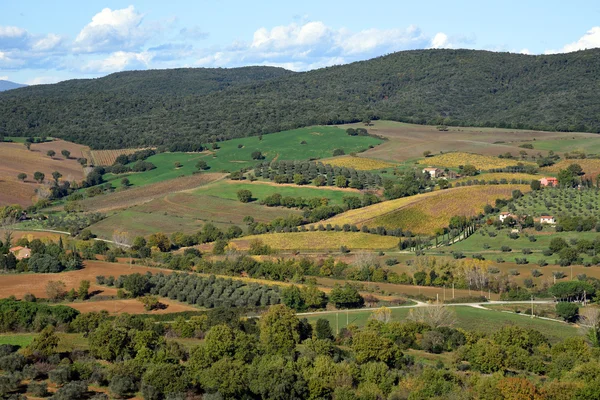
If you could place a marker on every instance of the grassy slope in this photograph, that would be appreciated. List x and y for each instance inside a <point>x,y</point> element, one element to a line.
<point>468,318</point>
<point>569,143</point>
<point>321,141</point>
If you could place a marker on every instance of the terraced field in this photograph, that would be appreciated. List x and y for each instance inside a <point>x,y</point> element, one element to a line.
<point>318,241</point>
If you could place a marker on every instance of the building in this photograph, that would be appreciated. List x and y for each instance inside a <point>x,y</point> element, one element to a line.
<point>433,172</point>
<point>547,219</point>
<point>549,181</point>
<point>504,215</point>
<point>21,252</point>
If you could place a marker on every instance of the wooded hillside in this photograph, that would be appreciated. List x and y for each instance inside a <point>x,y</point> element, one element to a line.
<point>452,87</point>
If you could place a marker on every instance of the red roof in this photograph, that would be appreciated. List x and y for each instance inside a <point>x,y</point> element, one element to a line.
<point>17,248</point>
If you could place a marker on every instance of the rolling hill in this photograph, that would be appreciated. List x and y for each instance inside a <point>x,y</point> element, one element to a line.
<point>185,106</point>
<point>8,85</point>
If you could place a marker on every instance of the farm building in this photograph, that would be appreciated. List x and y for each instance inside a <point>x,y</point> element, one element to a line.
<point>21,252</point>
<point>433,172</point>
<point>505,215</point>
<point>549,181</point>
<point>547,219</point>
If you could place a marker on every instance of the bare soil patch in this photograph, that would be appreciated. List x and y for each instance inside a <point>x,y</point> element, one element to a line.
<point>130,306</point>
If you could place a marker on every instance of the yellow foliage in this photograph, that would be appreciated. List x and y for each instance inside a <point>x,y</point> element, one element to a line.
<point>521,178</point>
<point>358,163</point>
<point>590,166</point>
<point>454,160</point>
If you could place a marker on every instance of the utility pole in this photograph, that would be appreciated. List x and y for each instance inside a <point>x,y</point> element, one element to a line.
<point>531,306</point>
<point>337,323</point>
<point>453,290</point>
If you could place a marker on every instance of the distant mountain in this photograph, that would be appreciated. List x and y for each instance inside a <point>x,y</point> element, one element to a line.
<point>183,108</point>
<point>8,85</point>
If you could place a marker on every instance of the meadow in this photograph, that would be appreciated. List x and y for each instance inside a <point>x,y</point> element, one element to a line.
<point>569,143</point>
<point>468,318</point>
<point>233,155</point>
<point>319,241</point>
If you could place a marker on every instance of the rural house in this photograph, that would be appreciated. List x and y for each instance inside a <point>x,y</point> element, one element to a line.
<point>433,172</point>
<point>504,215</point>
<point>547,219</point>
<point>549,181</point>
<point>21,252</point>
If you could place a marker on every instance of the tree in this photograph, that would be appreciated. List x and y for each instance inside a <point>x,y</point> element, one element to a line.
<point>39,176</point>
<point>56,290</point>
<point>136,284</point>
<point>122,386</point>
<point>382,314</point>
<point>469,170</point>
<point>435,316</point>
<point>160,240</point>
<point>83,291</point>
<point>370,346</point>
<point>535,185</point>
<point>50,153</point>
<point>426,153</point>
<point>150,302</point>
<point>323,330</point>
<point>22,176</point>
<point>257,155</point>
<point>56,176</point>
<point>567,311</point>
<point>292,298</point>
<point>279,330</point>
<point>45,343</point>
<point>341,181</point>
<point>125,182</point>
<point>346,296</point>
<point>66,154</point>
<point>244,195</point>
<point>201,165</point>
<point>27,145</point>
<point>338,152</point>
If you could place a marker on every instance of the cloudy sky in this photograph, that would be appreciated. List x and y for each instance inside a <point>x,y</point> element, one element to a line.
<point>46,42</point>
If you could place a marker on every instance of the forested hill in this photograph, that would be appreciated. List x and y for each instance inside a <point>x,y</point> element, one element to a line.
<point>467,87</point>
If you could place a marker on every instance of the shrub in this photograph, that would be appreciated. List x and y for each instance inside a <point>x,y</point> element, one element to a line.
<point>38,389</point>
<point>528,283</point>
<point>71,391</point>
<point>391,262</point>
<point>513,272</point>
<point>244,195</point>
<point>521,261</point>
<point>505,249</point>
<point>527,251</point>
<point>122,386</point>
<point>536,273</point>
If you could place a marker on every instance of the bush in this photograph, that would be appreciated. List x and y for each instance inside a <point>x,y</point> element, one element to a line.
<point>38,389</point>
<point>391,262</point>
<point>536,273</point>
<point>505,249</point>
<point>122,386</point>
<point>244,195</point>
<point>71,391</point>
<point>567,311</point>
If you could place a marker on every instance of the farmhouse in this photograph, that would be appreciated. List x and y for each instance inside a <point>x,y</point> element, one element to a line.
<point>504,215</point>
<point>547,219</point>
<point>21,252</point>
<point>433,172</point>
<point>549,181</point>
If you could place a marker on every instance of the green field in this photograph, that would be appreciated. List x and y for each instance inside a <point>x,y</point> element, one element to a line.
<point>568,144</point>
<point>557,202</point>
<point>228,190</point>
<point>468,318</point>
<point>19,139</point>
<point>236,154</point>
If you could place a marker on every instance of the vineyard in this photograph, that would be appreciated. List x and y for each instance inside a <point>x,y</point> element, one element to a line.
<point>358,163</point>
<point>319,240</point>
<point>455,160</point>
<point>108,157</point>
<point>499,177</point>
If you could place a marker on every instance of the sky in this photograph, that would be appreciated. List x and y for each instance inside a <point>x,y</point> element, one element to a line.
<point>47,42</point>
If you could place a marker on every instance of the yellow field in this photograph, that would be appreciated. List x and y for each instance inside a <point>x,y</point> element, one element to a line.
<point>108,157</point>
<point>358,163</point>
<point>320,241</point>
<point>522,178</point>
<point>591,166</point>
<point>425,213</point>
<point>454,160</point>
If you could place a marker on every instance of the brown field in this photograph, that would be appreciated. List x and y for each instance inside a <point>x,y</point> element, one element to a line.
<point>15,158</point>
<point>108,157</point>
<point>143,194</point>
<point>408,141</point>
<point>425,213</point>
<point>130,306</point>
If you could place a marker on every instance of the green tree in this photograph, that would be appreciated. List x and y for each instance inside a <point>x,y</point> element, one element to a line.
<point>109,342</point>
<point>22,176</point>
<point>50,153</point>
<point>66,154</point>
<point>56,176</point>
<point>279,330</point>
<point>323,329</point>
<point>292,298</point>
<point>369,345</point>
<point>244,195</point>
<point>341,181</point>
<point>469,170</point>
<point>83,291</point>
<point>125,182</point>
<point>567,311</point>
<point>136,284</point>
<point>39,176</point>
<point>201,165</point>
<point>346,296</point>
<point>45,343</point>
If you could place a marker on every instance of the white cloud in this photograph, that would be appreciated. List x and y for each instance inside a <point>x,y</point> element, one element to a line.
<point>3,78</point>
<point>112,30</point>
<point>119,61</point>
<point>590,40</point>
<point>43,80</point>
<point>47,43</point>
<point>525,51</point>
<point>12,37</point>
<point>440,41</point>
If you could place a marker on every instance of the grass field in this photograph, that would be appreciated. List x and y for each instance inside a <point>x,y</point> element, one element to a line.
<point>308,241</point>
<point>15,158</point>
<point>409,141</point>
<point>499,176</point>
<point>569,143</point>
<point>481,162</point>
<point>468,318</point>
<point>358,163</point>
<point>228,190</point>
<point>237,153</point>
<point>425,213</point>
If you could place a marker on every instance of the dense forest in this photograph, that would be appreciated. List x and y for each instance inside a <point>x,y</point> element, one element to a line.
<point>451,87</point>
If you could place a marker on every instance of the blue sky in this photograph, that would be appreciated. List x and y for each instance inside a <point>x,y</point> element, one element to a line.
<point>46,42</point>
